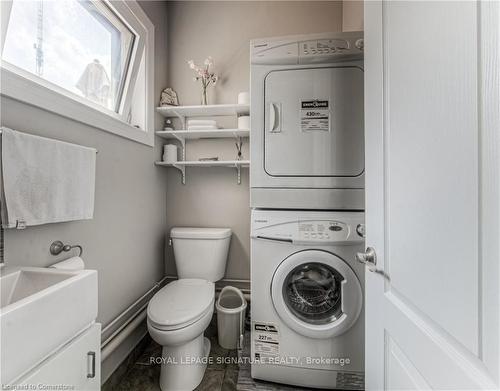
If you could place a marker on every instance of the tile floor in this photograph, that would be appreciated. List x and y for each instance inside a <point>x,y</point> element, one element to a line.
<point>223,374</point>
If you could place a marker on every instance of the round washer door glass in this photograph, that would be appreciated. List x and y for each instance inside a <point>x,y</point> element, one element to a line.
<point>316,293</point>
<point>312,292</point>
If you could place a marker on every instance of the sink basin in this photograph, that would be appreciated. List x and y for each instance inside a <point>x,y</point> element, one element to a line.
<point>41,309</point>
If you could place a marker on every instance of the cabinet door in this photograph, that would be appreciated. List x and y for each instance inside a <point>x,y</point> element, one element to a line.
<point>76,365</point>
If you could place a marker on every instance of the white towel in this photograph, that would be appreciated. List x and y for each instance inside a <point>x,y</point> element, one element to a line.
<point>202,122</point>
<point>45,180</point>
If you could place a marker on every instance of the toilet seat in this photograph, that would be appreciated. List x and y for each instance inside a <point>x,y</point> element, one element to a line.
<point>181,303</point>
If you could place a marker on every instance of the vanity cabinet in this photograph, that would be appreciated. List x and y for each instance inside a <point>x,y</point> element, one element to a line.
<point>76,365</point>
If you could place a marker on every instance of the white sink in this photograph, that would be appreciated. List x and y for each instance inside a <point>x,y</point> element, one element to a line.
<point>40,310</point>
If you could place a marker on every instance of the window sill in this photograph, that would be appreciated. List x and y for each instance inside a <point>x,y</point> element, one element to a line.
<point>27,91</point>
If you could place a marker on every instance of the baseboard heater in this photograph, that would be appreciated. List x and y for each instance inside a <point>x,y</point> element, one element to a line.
<point>124,324</point>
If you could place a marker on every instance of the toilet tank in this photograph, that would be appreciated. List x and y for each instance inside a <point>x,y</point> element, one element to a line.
<point>201,252</point>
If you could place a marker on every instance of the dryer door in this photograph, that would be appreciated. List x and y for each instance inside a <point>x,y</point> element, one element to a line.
<point>316,294</point>
<point>314,122</point>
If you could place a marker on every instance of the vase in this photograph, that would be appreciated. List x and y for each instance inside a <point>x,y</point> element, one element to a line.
<point>204,99</point>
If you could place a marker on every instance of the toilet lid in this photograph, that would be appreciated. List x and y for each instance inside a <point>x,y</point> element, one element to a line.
<point>180,303</point>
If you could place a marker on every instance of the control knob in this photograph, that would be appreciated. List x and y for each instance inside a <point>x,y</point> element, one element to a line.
<point>360,44</point>
<point>360,229</point>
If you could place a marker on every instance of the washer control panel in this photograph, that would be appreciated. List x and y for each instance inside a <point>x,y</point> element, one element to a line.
<point>322,231</point>
<point>308,228</point>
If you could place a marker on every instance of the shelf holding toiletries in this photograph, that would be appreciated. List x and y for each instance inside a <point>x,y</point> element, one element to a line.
<point>205,128</point>
<point>204,110</point>
<point>204,133</point>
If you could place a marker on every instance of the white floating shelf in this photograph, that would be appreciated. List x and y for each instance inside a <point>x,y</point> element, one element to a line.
<point>181,165</point>
<point>204,110</point>
<point>207,163</point>
<point>208,133</point>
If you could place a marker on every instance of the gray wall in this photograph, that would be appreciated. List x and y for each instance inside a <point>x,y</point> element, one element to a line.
<point>211,196</point>
<point>134,207</point>
<point>352,15</point>
<point>125,240</point>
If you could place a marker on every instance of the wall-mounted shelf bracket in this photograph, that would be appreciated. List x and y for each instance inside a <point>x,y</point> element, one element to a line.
<point>182,140</point>
<point>182,169</point>
<point>238,172</point>
<point>181,117</point>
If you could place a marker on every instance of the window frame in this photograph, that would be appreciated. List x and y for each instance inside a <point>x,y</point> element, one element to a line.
<point>28,88</point>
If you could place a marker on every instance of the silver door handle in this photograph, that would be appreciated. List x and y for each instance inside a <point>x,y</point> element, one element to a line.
<point>369,258</point>
<point>91,373</point>
<point>274,118</point>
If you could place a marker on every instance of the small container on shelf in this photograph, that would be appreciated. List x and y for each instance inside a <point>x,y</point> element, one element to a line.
<point>244,122</point>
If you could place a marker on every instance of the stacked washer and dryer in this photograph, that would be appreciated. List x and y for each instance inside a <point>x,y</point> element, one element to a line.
<point>307,199</point>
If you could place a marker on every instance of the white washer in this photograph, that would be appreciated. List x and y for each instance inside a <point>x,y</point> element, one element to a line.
<point>307,298</point>
<point>307,144</point>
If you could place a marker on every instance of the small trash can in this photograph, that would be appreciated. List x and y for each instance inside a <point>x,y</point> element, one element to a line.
<point>231,307</point>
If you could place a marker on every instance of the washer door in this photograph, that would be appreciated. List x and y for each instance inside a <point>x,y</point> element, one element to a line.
<point>316,294</point>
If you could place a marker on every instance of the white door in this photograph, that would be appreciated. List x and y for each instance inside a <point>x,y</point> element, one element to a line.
<point>432,195</point>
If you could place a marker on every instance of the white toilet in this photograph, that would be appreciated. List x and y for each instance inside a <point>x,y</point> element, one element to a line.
<point>180,312</point>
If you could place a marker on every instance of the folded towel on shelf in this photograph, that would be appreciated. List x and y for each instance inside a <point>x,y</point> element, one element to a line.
<point>45,181</point>
<point>201,122</point>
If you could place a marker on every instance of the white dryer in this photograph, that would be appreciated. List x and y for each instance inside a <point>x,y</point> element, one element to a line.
<point>307,142</point>
<point>307,298</point>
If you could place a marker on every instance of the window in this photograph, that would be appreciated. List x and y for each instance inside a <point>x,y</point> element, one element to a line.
<point>95,55</point>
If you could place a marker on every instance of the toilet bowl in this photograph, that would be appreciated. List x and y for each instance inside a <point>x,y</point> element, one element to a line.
<point>179,313</point>
<point>177,317</point>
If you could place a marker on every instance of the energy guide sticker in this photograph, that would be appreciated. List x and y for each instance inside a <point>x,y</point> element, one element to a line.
<point>315,115</point>
<point>266,340</point>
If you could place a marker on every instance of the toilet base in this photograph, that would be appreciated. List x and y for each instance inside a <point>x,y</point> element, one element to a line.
<point>184,365</point>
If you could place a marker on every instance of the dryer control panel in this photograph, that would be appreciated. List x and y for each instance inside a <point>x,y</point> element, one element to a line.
<point>317,48</point>
<point>312,228</point>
